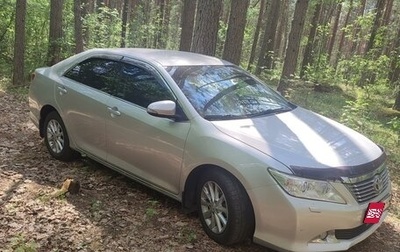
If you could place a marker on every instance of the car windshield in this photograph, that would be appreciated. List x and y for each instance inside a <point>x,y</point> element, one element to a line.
<point>227,92</point>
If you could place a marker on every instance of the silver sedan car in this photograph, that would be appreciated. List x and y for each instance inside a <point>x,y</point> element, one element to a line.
<point>212,136</point>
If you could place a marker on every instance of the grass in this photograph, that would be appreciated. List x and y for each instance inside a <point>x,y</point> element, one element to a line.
<point>20,92</point>
<point>151,210</point>
<point>20,244</point>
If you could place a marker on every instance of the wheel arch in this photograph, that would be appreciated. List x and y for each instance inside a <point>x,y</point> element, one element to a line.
<point>189,193</point>
<point>47,109</point>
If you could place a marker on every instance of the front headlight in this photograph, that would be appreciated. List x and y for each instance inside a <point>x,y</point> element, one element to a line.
<point>307,188</point>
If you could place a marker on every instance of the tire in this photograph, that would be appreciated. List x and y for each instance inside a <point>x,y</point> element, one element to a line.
<point>224,208</point>
<point>56,138</point>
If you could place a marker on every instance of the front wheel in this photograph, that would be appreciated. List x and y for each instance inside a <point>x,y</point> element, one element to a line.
<point>224,207</point>
<point>56,138</point>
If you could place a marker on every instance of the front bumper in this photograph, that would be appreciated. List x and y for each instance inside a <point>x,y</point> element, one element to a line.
<point>286,223</point>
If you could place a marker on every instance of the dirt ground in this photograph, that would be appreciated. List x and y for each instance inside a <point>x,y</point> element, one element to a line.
<point>111,212</point>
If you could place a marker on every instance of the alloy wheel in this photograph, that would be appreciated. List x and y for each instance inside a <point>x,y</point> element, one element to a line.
<point>214,207</point>
<point>55,136</point>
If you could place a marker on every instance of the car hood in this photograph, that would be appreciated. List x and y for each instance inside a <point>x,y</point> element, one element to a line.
<point>309,144</point>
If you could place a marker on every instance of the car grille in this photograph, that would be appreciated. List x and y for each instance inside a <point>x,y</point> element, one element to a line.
<point>370,187</point>
<point>347,234</point>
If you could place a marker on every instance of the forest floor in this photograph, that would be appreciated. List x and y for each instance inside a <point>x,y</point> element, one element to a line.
<point>111,212</point>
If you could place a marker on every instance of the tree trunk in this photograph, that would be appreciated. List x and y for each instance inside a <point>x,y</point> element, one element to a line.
<point>19,44</point>
<point>282,30</point>
<point>87,7</point>
<point>386,22</point>
<point>308,54</point>
<point>334,30</point>
<point>256,35</point>
<point>388,12</point>
<point>165,27</point>
<point>187,23</point>
<point>394,72</point>
<point>235,33</point>
<point>206,30</point>
<point>78,26</point>
<point>380,5</point>
<point>341,52</point>
<point>322,40</point>
<point>160,4</point>
<point>267,48</point>
<point>55,33</point>
<point>223,21</point>
<point>292,52</point>
<point>360,45</point>
<point>125,10</point>
<point>396,105</point>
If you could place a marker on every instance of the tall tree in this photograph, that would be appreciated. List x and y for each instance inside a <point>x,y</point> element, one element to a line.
<point>340,51</point>
<point>166,23</point>
<point>292,52</point>
<point>256,34</point>
<point>78,26</point>
<point>19,44</point>
<point>386,22</point>
<point>159,21</point>
<point>87,8</point>
<point>332,40</point>
<point>267,47</point>
<point>206,29</point>
<point>358,45</point>
<point>125,11</point>
<point>380,6</point>
<point>55,33</point>
<point>235,33</point>
<point>187,23</point>
<point>308,53</point>
<point>394,72</point>
<point>282,30</point>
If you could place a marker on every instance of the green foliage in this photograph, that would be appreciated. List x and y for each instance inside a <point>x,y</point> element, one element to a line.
<point>355,114</point>
<point>19,244</point>
<point>321,72</point>
<point>364,71</point>
<point>189,235</point>
<point>151,209</point>
<point>395,124</point>
<point>37,33</point>
<point>104,28</point>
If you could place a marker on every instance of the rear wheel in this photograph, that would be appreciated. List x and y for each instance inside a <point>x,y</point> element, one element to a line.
<point>224,207</point>
<point>56,138</point>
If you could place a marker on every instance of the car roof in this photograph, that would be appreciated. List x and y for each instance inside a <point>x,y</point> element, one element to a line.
<point>164,57</point>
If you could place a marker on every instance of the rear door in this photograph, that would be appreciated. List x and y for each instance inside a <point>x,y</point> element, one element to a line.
<point>83,95</point>
<point>149,147</point>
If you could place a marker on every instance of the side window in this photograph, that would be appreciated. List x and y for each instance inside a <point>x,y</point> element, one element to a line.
<point>141,87</point>
<point>96,73</point>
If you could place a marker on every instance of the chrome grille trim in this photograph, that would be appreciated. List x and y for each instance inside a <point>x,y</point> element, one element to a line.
<point>366,187</point>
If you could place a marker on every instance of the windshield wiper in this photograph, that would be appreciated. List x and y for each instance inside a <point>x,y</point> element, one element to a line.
<point>224,117</point>
<point>271,111</point>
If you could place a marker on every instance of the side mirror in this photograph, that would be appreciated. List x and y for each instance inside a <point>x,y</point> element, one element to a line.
<point>165,109</point>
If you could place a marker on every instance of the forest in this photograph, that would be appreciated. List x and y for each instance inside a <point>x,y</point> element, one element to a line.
<point>340,58</point>
<point>326,42</point>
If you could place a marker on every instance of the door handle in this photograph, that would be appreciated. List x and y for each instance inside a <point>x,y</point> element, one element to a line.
<point>114,111</point>
<point>62,90</point>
